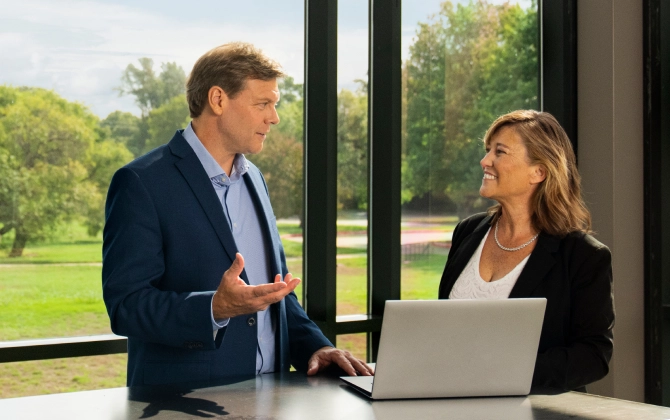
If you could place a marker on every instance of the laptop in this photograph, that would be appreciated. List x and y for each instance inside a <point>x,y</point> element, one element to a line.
<point>455,348</point>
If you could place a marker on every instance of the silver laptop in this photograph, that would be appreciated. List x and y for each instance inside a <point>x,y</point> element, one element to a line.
<point>455,348</point>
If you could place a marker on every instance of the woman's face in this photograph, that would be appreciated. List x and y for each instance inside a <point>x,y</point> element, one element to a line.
<point>508,175</point>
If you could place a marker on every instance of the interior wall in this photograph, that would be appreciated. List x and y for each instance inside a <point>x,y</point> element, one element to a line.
<point>610,143</point>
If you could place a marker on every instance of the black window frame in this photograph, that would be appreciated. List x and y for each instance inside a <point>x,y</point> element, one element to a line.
<point>656,82</point>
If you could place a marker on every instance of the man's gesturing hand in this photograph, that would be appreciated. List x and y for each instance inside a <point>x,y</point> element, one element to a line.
<point>234,297</point>
<point>326,356</point>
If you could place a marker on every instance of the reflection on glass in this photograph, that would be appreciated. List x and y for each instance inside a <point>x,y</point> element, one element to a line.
<point>464,64</point>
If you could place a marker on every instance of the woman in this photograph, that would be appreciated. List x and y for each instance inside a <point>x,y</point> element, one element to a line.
<point>535,243</point>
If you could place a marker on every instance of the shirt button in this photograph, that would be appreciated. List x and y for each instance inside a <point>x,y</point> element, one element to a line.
<point>251,321</point>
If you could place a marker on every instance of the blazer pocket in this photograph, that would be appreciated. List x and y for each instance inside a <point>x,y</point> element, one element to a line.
<point>162,373</point>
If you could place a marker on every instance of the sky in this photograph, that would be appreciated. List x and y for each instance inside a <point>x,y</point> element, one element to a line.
<point>79,48</point>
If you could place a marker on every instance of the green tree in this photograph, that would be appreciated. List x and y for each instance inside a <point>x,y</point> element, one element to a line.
<point>281,164</point>
<point>290,109</point>
<point>127,129</point>
<point>290,90</point>
<point>151,90</point>
<point>352,148</point>
<point>123,126</point>
<point>155,95</point>
<point>44,140</point>
<point>468,65</point>
<point>101,161</point>
<point>163,121</point>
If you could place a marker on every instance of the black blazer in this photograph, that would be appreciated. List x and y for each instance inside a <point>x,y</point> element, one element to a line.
<point>574,273</point>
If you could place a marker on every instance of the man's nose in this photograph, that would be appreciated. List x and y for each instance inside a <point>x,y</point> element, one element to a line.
<point>274,117</point>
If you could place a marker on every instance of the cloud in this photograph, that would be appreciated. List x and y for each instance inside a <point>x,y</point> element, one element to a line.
<point>80,49</point>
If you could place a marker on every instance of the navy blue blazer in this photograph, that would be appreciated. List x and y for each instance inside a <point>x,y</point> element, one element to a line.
<point>574,273</point>
<point>166,245</point>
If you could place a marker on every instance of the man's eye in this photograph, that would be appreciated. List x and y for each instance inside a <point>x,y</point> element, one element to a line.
<point>262,105</point>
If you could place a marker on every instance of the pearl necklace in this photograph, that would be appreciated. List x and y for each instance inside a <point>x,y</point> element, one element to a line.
<point>495,236</point>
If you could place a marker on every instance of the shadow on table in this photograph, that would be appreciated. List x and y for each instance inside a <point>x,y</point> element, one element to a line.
<point>173,398</point>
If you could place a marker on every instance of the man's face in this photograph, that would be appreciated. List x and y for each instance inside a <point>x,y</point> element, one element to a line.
<point>247,118</point>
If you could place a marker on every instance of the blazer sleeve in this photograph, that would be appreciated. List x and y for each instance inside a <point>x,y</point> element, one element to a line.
<point>586,355</point>
<point>304,336</point>
<point>133,265</point>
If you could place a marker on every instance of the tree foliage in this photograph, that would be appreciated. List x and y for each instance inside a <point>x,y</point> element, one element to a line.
<point>281,164</point>
<point>151,90</point>
<point>51,168</point>
<point>352,149</point>
<point>127,129</point>
<point>281,160</point>
<point>162,103</point>
<point>162,122</point>
<point>468,65</point>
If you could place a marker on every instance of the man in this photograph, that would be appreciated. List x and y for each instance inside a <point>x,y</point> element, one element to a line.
<point>182,215</point>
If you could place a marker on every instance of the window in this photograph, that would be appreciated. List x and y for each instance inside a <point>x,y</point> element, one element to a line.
<point>411,86</point>
<point>464,64</point>
<point>85,88</point>
<point>352,167</point>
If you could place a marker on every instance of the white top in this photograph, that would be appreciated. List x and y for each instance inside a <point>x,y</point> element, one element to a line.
<point>470,284</point>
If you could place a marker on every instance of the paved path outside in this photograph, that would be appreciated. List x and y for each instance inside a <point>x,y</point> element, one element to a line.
<point>406,238</point>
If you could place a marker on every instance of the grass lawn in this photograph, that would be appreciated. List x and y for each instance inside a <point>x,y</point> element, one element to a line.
<point>62,375</point>
<point>55,290</point>
<point>57,253</point>
<point>39,301</point>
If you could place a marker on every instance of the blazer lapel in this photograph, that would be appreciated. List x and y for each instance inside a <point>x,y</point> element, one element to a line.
<point>191,169</point>
<point>540,262</point>
<point>258,191</point>
<point>462,256</point>
<point>266,217</point>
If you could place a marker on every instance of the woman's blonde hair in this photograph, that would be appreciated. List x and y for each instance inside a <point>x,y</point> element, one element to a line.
<point>557,205</point>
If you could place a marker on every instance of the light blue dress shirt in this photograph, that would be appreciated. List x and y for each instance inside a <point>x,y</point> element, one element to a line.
<point>243,220</point>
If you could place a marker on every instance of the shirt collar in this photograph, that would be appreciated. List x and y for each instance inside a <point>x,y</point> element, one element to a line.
<point>211,166</point>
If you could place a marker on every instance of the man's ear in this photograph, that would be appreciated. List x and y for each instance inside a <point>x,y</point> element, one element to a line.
<point>218,100</point>
<point>539,174</point>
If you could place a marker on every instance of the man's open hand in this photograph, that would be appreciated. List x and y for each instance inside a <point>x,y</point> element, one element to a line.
<point>326,356</point>
<point>234,297</point>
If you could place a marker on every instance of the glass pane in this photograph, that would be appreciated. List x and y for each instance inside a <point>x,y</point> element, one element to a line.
<point>352,161</point>
<point>53,376</point>
<point>464,64</point>
<point>356,344</point>
<point>100,84</point>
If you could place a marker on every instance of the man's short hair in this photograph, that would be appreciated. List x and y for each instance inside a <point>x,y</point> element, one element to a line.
<point>227,66</point>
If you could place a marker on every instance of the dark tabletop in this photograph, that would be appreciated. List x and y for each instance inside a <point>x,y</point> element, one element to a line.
<point>295,396</point>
